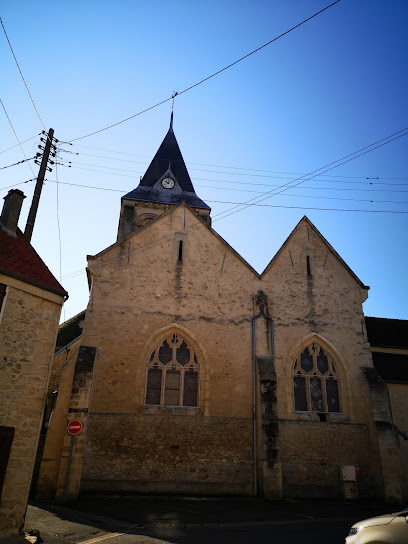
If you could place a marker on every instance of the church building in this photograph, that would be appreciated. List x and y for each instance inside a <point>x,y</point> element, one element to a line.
<point>193,373</point>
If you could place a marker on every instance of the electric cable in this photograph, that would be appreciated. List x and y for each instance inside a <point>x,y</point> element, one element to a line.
<point>346,159</point>
<point>23,142</point>
<point>16,184</point>
<point>139,172</point>
<point>208,77</point>
<point>241,207</point>
<point>216,165</point>
<point>8,118</point>
<point>21,74</point>
<point>224,202</point>
<point>125,191</point>
<point>59,228</point>
<point>16,163</point>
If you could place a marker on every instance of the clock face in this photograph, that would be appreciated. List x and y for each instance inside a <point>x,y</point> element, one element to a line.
<point>168,183</point>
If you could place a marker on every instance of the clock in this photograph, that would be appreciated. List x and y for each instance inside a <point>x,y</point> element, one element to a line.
<point>168,183</point>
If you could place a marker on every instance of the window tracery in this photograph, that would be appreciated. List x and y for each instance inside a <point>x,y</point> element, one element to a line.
<point>172,373</point>
<point>316,381</point>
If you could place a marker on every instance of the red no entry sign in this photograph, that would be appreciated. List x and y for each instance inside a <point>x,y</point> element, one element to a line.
<point>74,427</point>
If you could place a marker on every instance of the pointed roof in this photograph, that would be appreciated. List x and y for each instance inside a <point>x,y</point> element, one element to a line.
<point>168,158</point>
<point>330,248</point>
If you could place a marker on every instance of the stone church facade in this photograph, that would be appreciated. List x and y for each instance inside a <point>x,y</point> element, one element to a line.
<point>196,374</point>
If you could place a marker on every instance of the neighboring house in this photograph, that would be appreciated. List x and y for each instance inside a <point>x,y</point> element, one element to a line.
<point>196,374</point>
<point>30,306</point>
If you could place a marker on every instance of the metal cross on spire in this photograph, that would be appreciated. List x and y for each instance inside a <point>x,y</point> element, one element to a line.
<point>172,109</point>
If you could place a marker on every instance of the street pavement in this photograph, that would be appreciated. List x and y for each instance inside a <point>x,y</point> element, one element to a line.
<point>159,520</point>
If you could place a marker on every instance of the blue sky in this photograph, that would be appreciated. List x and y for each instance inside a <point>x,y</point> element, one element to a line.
<point>331,87</point>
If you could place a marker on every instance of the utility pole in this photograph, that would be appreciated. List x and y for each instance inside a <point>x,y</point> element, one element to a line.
<point>40,180</point>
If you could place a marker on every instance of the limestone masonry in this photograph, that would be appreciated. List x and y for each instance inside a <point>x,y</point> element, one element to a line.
<point>193,373</point>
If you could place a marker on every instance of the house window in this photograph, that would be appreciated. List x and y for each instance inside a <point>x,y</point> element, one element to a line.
<point>316,381</point>
<point>173,373</point>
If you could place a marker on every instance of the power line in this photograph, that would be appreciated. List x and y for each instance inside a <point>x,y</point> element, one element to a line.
<point>23,142</point>
<point>160,241</point>
<point>22,77</point>
<point>138,172</point>
<point>15,134</point>
<point>228,189</point>
<point>328,167</point>
<point>16,184</point>
<point>208,77</point>
<point>16,163</point>
<point>59,227</point>
<point>309,208</point>
<point>230,166</point>
<point>224,202</point>
<point>223,215</point>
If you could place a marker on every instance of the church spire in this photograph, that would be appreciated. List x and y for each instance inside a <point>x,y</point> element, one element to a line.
<point>167,179</point>
<point>166,182</point>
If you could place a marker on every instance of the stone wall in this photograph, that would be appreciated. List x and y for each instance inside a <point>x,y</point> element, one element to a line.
<point>28,331</point>
<point>169,453</point>
<point>312,453</point>
<point>399,404</point>
<point>141,292</point>
<point>61,378</point>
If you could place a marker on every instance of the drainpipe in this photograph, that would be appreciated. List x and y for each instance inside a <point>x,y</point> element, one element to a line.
<point>254,441</point>
<point>271,329</point>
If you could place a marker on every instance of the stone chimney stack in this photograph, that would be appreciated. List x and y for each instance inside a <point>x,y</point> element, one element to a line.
<point>11,211</point>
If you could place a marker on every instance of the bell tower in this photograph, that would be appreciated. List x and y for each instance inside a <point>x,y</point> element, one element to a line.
<point>166,183</point>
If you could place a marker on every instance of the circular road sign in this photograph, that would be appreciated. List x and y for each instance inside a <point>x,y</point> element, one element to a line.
<point>74,427</point>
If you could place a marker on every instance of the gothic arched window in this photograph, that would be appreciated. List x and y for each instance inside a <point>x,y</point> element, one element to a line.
<point>172,373</point>
<point>316,381</point>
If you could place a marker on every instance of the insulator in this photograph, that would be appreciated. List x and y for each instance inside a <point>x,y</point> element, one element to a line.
<point>51,162</point>
<point>43,132</point>
<point>41,147</point>
<point>49,169</point>
<point>55,140</point>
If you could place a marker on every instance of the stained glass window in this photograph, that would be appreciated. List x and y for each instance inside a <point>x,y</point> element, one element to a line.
<point>172,374</point>
<point>316,381</point>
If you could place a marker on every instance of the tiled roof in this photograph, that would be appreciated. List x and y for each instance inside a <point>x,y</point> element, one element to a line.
<point>19,260</point>
<point>387,333</point>
<point>392,367</point>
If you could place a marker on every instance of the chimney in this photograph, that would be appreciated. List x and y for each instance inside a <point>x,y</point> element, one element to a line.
<point>11,211</point>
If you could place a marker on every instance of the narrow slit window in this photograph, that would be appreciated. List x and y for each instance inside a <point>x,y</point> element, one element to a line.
<point>180,252</point>
<point>308,266</point>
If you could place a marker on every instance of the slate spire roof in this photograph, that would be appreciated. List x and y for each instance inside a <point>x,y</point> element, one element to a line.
<point>168,162</point>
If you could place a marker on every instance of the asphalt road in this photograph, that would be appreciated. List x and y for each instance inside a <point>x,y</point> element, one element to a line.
<point>86,529</point>
<point>151,520</point>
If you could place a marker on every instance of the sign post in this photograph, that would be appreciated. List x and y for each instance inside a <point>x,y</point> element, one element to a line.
<point>74,427</point>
